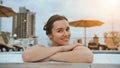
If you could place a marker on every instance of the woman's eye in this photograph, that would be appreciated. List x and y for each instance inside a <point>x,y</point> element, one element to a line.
<point>68,29</point>
<point>59,31</point>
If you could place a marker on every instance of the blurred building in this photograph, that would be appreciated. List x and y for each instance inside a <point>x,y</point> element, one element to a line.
<point>24,23</point>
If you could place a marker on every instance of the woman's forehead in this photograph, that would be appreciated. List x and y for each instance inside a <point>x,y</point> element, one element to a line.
<point>60,24</point>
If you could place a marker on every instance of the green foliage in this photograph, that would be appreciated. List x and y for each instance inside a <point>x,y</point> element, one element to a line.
<point>6,36</point>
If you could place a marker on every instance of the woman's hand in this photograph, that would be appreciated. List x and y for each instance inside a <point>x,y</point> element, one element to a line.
<point>78,46</point>
<point>68,47</point>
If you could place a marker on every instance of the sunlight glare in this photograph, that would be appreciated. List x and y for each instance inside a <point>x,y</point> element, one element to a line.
<point>112,4</point>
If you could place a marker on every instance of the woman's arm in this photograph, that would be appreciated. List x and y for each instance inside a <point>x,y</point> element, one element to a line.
<point>39,53</point>
<point>79,54</point>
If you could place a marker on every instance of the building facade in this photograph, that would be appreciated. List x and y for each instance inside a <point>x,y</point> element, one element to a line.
<point>24,23</point>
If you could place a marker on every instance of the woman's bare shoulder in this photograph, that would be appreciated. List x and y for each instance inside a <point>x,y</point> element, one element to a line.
<point>40,45</point>
<point>80,48</point>
<point>37,46</point>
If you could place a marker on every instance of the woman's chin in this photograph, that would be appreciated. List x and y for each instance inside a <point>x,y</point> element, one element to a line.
<point>65,43</point>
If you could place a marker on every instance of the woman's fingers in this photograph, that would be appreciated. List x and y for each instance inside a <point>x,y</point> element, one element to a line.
<point>68,47</point>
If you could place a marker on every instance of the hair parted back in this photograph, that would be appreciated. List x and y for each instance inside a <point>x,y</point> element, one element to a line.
<point>49,25</point>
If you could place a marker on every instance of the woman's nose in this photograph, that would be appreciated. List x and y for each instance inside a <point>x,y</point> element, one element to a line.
<point>66,33</point>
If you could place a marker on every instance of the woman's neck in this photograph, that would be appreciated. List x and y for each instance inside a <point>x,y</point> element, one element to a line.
<point>55,45</point>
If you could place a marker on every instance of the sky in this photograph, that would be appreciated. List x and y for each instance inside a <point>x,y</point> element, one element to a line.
<point>106,11</point>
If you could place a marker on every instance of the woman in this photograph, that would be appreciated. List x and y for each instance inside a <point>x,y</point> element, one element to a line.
<point>58,30</point>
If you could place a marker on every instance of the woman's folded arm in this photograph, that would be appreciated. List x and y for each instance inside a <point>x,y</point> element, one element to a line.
<point>38,53</point>
<point>79,54</point>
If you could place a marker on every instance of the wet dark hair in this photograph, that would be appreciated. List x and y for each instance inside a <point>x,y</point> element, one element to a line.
<point>49,25</point>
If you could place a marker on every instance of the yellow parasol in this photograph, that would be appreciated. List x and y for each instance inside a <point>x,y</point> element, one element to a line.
<point>86,24</point>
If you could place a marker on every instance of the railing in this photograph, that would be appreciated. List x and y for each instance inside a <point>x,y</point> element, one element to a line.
<point>27,42</point>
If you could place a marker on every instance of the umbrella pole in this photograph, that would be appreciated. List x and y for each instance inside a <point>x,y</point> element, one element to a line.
<point>85,35</point>
<point>0,24</point>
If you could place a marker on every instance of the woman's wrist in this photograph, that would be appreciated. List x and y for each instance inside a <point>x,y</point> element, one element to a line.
<point>58,49</point>
<point>61,48</point>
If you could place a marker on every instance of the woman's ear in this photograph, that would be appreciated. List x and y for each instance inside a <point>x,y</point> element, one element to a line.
<point>50,36</point>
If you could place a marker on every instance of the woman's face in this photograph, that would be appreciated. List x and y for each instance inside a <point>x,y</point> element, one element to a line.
<point>60,33</point>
